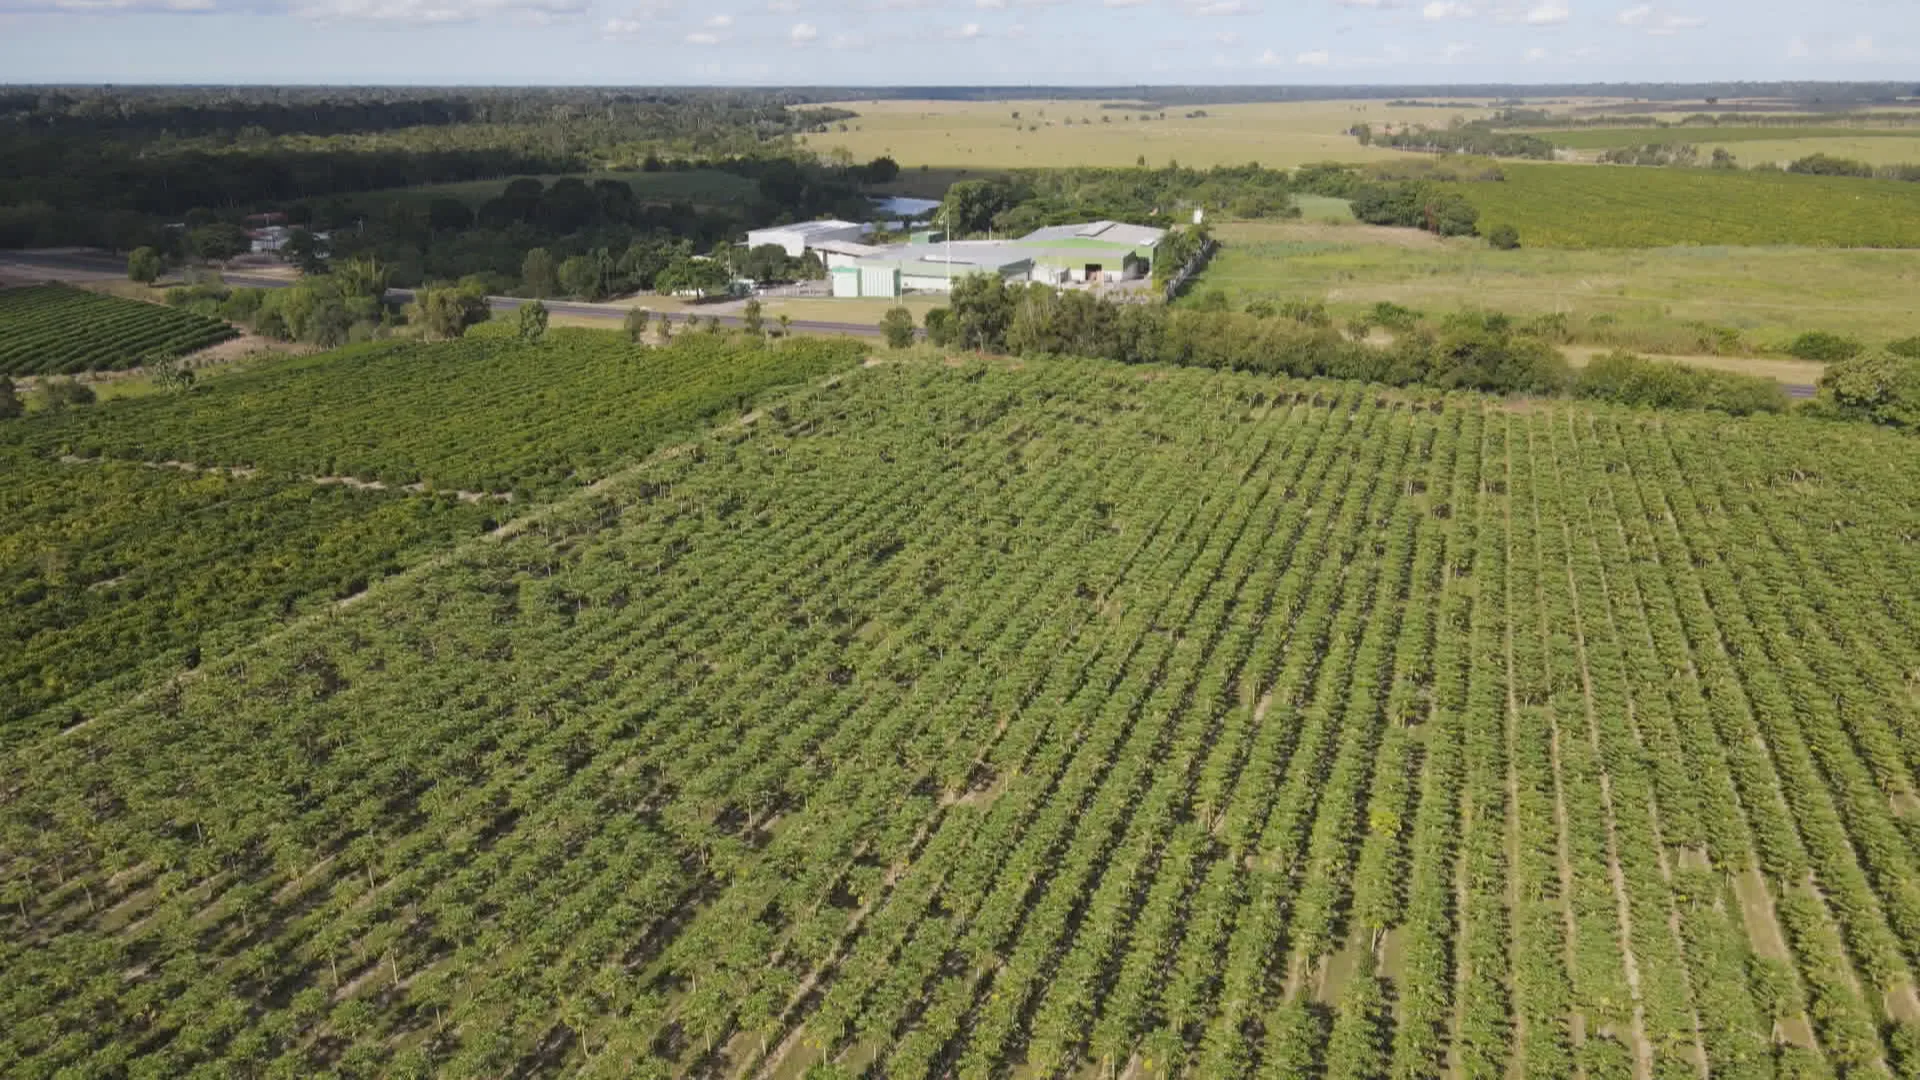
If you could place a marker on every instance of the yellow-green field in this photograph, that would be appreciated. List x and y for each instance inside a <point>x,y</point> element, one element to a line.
<point>986,135</point>
<point>1872,149</point>
<point>1650,299</point>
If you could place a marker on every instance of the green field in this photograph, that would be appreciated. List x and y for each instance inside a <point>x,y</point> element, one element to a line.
<point>1606,138</point>
<point>1662,300</point>
<point>976,718</point>
<point>61,330</point>
<point>1626,207</point>
<point>1322,208</point>
<point>138,532</point>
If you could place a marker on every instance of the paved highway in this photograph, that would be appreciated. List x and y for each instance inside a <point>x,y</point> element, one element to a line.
<point>75,265</point>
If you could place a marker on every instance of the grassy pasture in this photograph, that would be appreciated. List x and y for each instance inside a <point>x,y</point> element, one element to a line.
<point>1606,138</point>
<point>1637,298</point>
<point>1625,207</point>
<point>985,135</point>
<point>1872,148</point>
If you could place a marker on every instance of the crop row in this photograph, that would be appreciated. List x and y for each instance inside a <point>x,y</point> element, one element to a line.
<point>484,414</point>
<point>960,720</point>
<point>58,329</point>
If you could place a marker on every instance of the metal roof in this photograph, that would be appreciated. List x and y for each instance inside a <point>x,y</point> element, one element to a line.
<point>810,228</point>
<point>929,265</point>
<point>1113,233</point>
<point>848,247</point>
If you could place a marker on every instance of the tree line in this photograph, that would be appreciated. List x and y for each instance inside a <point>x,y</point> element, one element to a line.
<point>1484,351</point>
<point>87,167</point>
<point>1027,199</point>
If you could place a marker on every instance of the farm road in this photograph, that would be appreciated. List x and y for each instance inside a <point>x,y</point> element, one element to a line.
<point>83,265</point>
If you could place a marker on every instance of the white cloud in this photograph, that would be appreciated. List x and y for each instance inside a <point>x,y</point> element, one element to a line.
<point>1269,58</point>
<point>438,11</point>
<point>1227,38</point>
<point>1210,8</point>
<point>965,32</point>
<point>783,7</point>
<point>1456,49</point>
<point>1797,48</point>
<point>1316,58</point>
<point>1536,54</point>
<point>1447,9</point>
<point>1549,13</point>
<point>702,37</point>
<point>1123,3</point>
<point>1860,48</point>
<point>803,33</point>
<point>1370,5</point>
<point>718,22</point>
<point>991,4</point>
<point>1635,15</point>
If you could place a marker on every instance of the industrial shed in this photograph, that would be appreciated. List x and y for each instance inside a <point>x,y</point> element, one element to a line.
<point>796,239</point>
<point>928,269</point>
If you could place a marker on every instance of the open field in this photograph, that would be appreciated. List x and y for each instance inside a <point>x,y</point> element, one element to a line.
<point>1336,733</point>
<point>1873,151</point>
<point>1650,299</point>
<point>61,330</point>
<point>1625,206</point>
<point>1606,138</point>
<point>984,135</point>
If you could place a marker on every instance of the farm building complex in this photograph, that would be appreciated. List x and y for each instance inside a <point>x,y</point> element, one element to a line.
<point>1089,253</point>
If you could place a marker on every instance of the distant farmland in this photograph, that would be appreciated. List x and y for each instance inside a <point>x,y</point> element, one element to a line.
<point>1627,207</point>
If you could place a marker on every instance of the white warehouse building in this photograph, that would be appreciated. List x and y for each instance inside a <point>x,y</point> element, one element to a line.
<point>796,239</point>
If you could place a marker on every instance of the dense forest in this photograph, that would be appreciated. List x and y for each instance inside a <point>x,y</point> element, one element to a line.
<point>104,167</point>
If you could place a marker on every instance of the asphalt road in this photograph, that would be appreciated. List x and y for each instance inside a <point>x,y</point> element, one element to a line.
<point>102,265</point>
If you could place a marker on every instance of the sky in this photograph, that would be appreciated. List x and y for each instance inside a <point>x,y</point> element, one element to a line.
<point>954,42</point>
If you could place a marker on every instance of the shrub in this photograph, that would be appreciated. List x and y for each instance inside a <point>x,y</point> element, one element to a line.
<point>1906,347</point>
<point>1828,165</point>
<point>533,321</point>
<point>897,327</point>
<point>940,328</point>
<point>1504,238</point>
<point>60,394</point>
<point>1881,386</point>
<point>1626,379</point>
<point>1824,347</point>
<point>1392,316</point>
